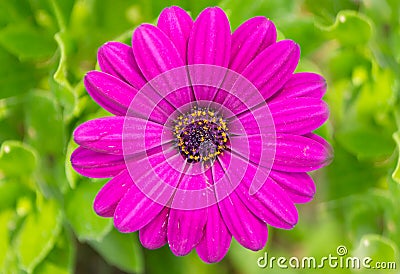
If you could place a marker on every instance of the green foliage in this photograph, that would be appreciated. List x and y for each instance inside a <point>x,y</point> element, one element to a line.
<point>39,231</point>
<point>120,250</point>
<point>46,208</point>
<point>85,223</point>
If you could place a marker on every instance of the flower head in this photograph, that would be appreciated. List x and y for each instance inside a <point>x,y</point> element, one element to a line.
<point>212,133</point>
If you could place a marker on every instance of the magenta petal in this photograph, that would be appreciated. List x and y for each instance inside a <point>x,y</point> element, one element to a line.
<point>109,92</point>
<point>250,147</point>
<point>298,115</point>
<point>154,234</point>
<point>249,39</point>
<point>295,153</point>
<point>209,43</point>
<point>154,51</point>
<point>324,143</point>
<point>249,122</point>
<point>270,203</point>
<point>273,67</point>
<point>298,185</point>
<point>185,227</point>
<point>320,140</point>
<point>117,59</point>
<point>177,24</point>
<point>111,193</point>
<point>217,239</point>
<point>155,54</point>
<point>247,229</point>
<point>96,165</point>
<point>135,210</point>
<point>146,198</point>
<point>101,135</point>
<point>210,40</point>
<point>106,135</point>
<point>303,84</point>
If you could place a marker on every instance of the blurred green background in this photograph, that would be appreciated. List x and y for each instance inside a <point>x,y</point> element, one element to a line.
<point>47,224</point>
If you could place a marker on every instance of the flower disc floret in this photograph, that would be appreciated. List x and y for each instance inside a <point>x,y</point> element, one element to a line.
<point>201,135</point>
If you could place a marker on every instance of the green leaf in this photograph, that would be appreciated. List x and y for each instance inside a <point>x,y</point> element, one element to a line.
<point>5,217</point>
<point>17,159</point>
<point>11,190</point>
<point>348,175</point>
<point>303,31</point>
<point>15,77</point>
<point>396,172</point>
<point>27,42</point>
<point>277,11</point>
<point>325,11</point>
<point>72,175</point>
<point>45,131</point>
<point>10,122</point>
<point>61,259</point>
<point>366,142</point>
<point>62,11</point>
<point>60,76</point>
<point>80,214</point>
<point>379,249</point>
<point>345,61</point>
<point>11,264</point>
<point>44,123</point>
<point>38,234</point>
<point>350,28</point>
<point>363,212</point>
<point>121,250</point>
<point>12,11</point>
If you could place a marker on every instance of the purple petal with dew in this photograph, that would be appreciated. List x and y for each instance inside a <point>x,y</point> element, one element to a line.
<point>247,229</point>
<point>273,67</point>
<point>320,140</point>
<point>111,193</point>
<point>298,115</point>
<point>217,238</point>
<point>108,135</point>
<point>186,227</point>
<point>209,43</point>
<point>155,181</point>
<point>303,84</point>
<point>210,39</point>
<point>270,203</point>
<point>229,100</point>
<point>135,210</point>
<point>118,60</point>
<point>155,54</point>
<point>299,186</point>
<point>154,234</point>
<point>295,153</point>
<point>249,39</point>
<point>177,24</point>
<point>109,92</point>
<point>252,122</point>
<point>95,164</point>
<point>249,147</point>
<point>324,143</point>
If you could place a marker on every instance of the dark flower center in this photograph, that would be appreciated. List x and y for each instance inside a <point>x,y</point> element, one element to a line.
<point>201,135</point>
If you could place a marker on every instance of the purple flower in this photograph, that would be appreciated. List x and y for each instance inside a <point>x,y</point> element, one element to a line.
<point>212,133</point>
